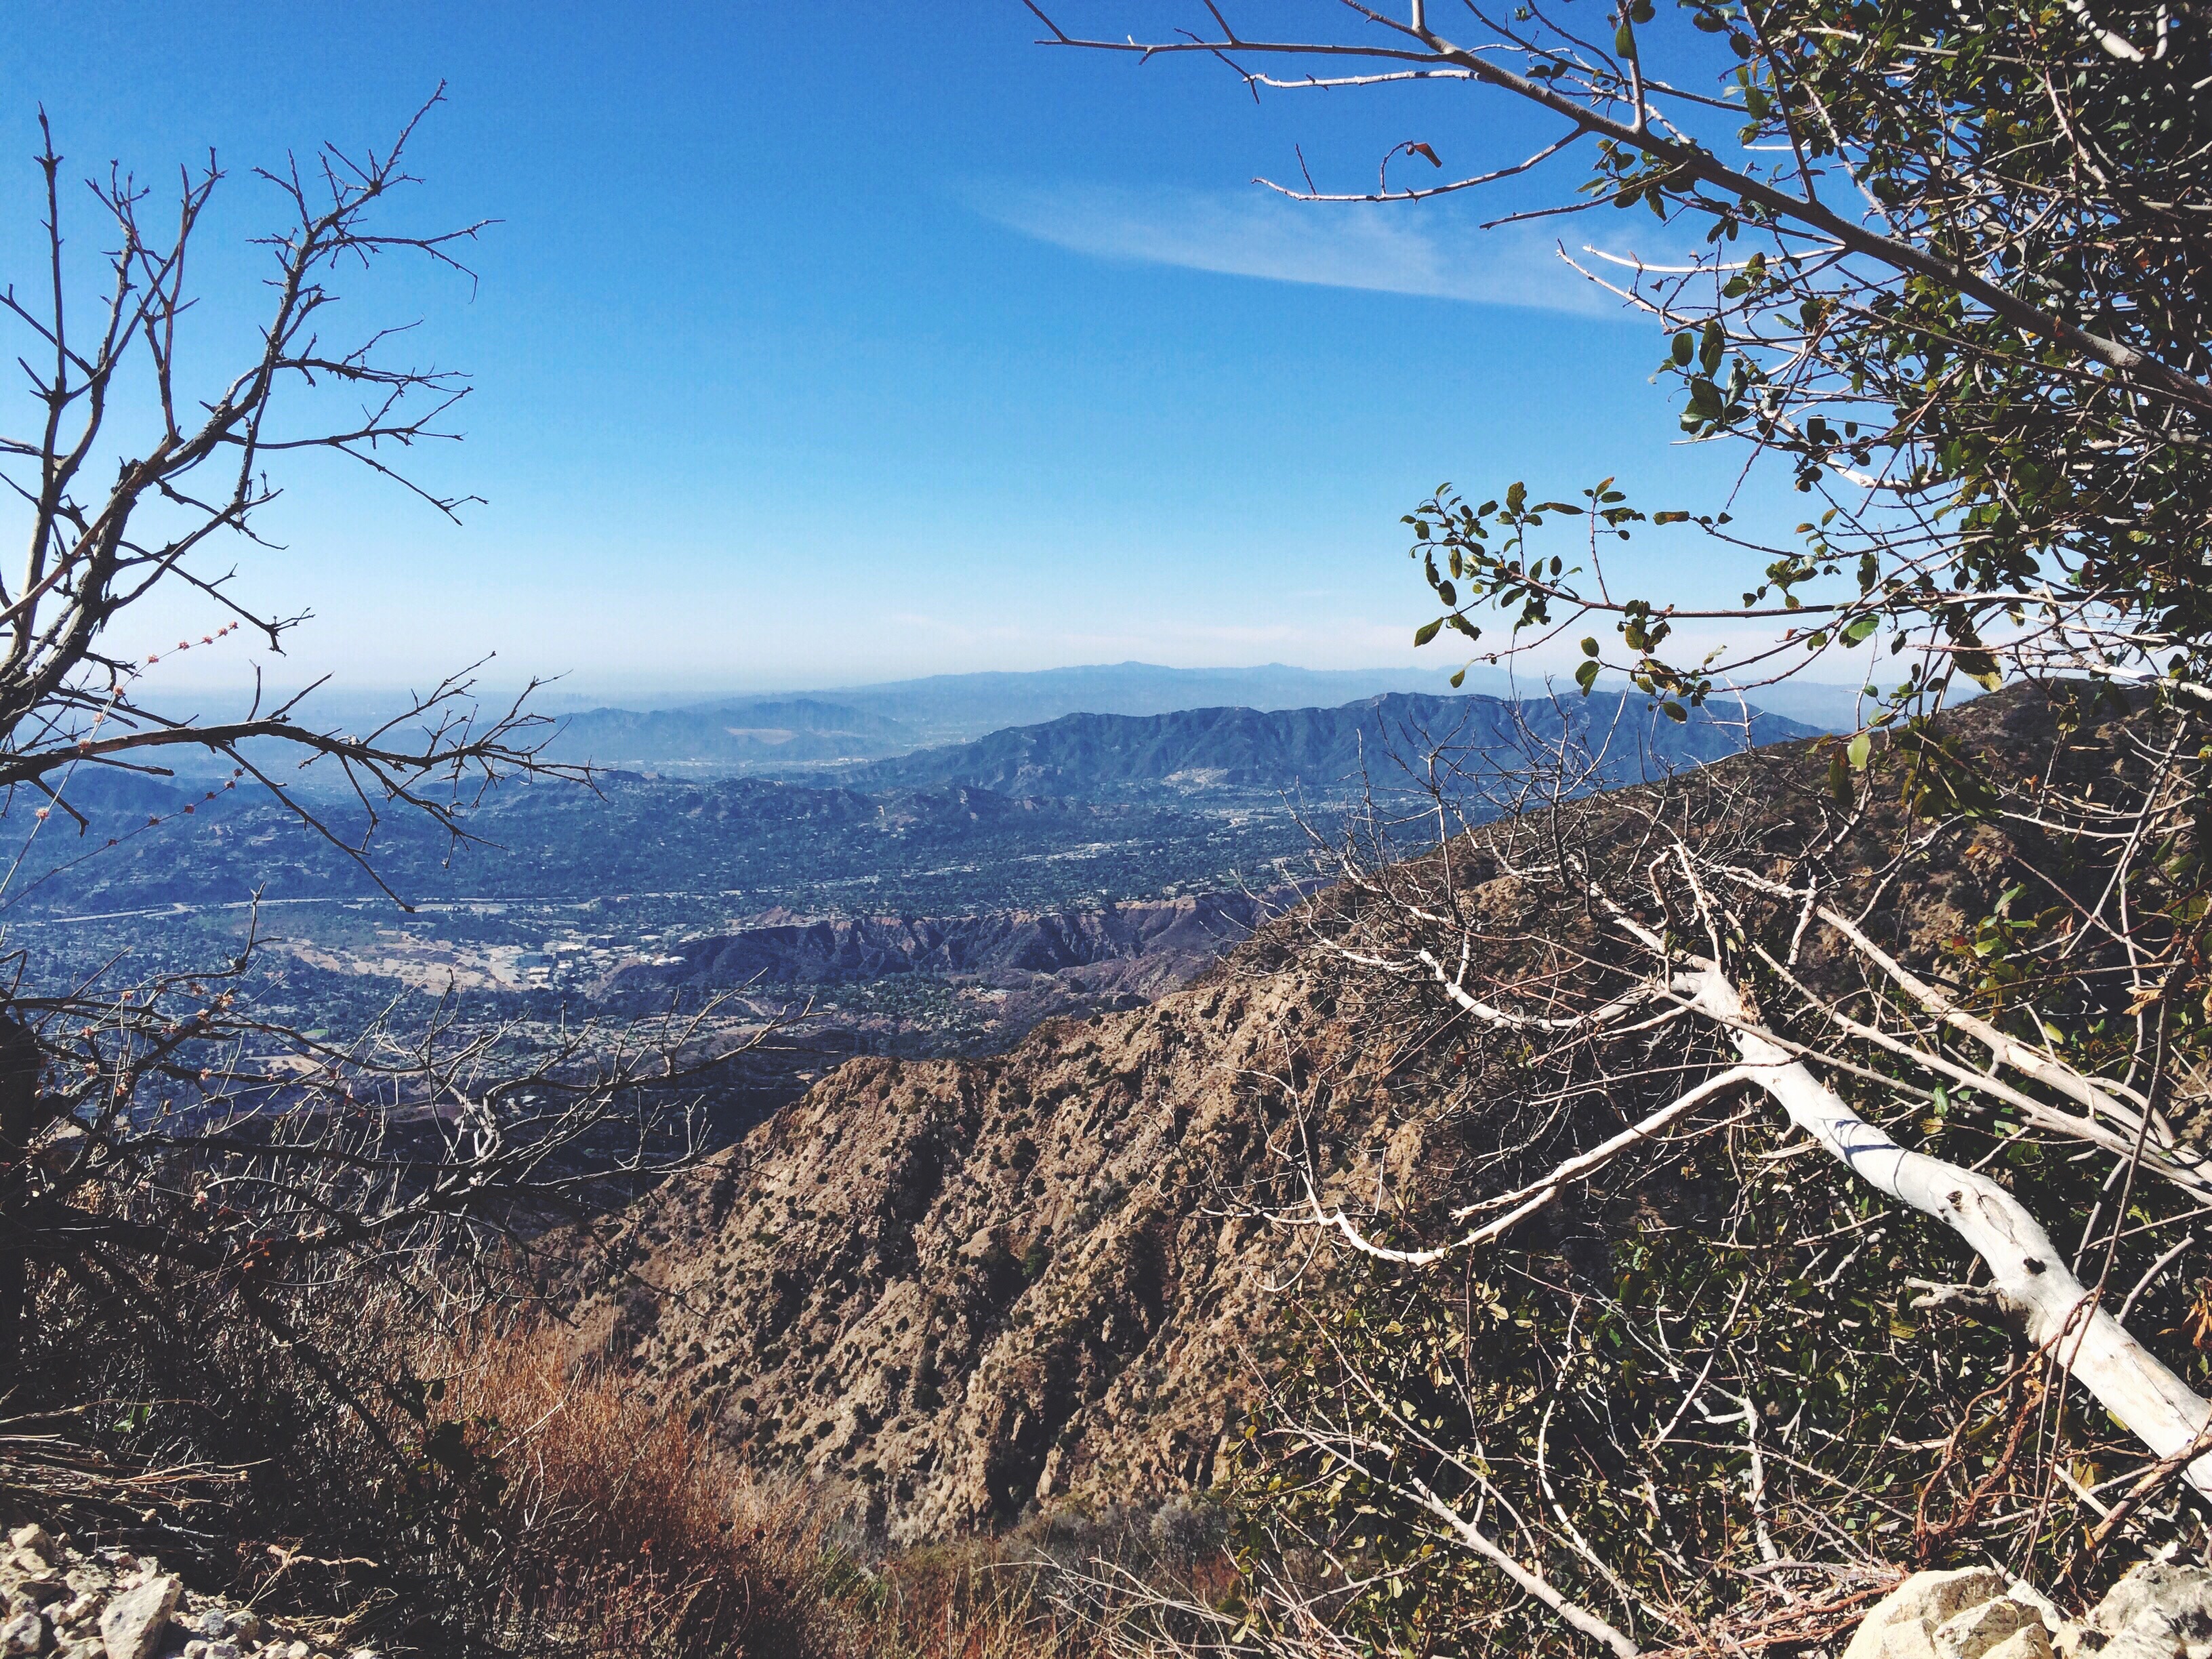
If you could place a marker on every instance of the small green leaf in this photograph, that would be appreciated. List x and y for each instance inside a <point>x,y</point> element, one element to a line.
<point>1427,631</point>
<point>1861,748</point>
<point>1585,676</point>
<point>1590,647</point>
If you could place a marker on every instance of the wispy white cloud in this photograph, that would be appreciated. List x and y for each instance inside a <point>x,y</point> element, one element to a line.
<point>1427,249</point>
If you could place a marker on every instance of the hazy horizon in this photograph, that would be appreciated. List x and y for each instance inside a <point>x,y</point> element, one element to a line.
<point>932,402</point>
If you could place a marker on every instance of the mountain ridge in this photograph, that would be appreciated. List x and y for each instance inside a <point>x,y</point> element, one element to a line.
<point>1239,748</point>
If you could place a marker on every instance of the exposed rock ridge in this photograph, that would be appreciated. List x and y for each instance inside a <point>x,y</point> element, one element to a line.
<point>969,1285</point>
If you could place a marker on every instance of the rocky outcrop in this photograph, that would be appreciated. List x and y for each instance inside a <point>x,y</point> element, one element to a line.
<point>109,1603</point>
<point>2160,1610</point>
<point>966,1286</point>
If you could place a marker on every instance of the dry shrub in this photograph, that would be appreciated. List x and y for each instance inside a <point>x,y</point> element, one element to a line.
<point>612,1525</point>
<point>615,1525</point>
<point>443,1490</point>
<point>979,1599</point>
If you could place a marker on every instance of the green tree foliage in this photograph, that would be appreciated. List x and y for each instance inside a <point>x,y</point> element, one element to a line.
<point>1948,267</point>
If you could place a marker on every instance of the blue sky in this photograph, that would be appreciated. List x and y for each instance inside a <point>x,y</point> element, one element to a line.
<point>822,344</point>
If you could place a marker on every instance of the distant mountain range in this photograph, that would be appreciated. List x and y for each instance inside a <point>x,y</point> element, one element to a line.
<point>784,734</point>
<point>1129,796</point>
<point>1317,749</point>
<point>792,733</point>
<point>792,736</point>
<point>957,707</point>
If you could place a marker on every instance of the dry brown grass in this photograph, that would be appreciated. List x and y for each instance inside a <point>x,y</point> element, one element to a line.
<point>611,1525</point>
<point>480,1491</point>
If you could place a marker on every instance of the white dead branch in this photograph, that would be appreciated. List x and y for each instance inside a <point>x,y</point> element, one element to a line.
<point>2032,1287</point>
<point>2029,1276</point>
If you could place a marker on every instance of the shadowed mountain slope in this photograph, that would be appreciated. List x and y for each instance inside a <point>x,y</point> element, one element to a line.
<point>1006,947</point>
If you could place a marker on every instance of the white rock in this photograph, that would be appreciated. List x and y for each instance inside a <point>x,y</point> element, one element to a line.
<point>1973,1632</point>
<point>1903,1622</point>
<point>25,1633</point>
<point>78,1608</point>
<point>2020,1591</point>
<point>2028,1641</point>
<point>137,1621</point>
<point>2160,1610</point>
<point>36,1540</point>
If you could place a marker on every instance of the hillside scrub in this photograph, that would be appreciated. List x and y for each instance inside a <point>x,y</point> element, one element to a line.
<point>232,1243</point>
<point>1644,1356</point>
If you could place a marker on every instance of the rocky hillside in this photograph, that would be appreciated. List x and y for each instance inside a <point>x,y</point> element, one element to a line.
<point>108,1604</point>
<point>971,1285</point>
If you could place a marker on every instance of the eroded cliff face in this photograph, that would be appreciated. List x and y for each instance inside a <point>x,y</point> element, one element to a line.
<point>971,1285</point>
